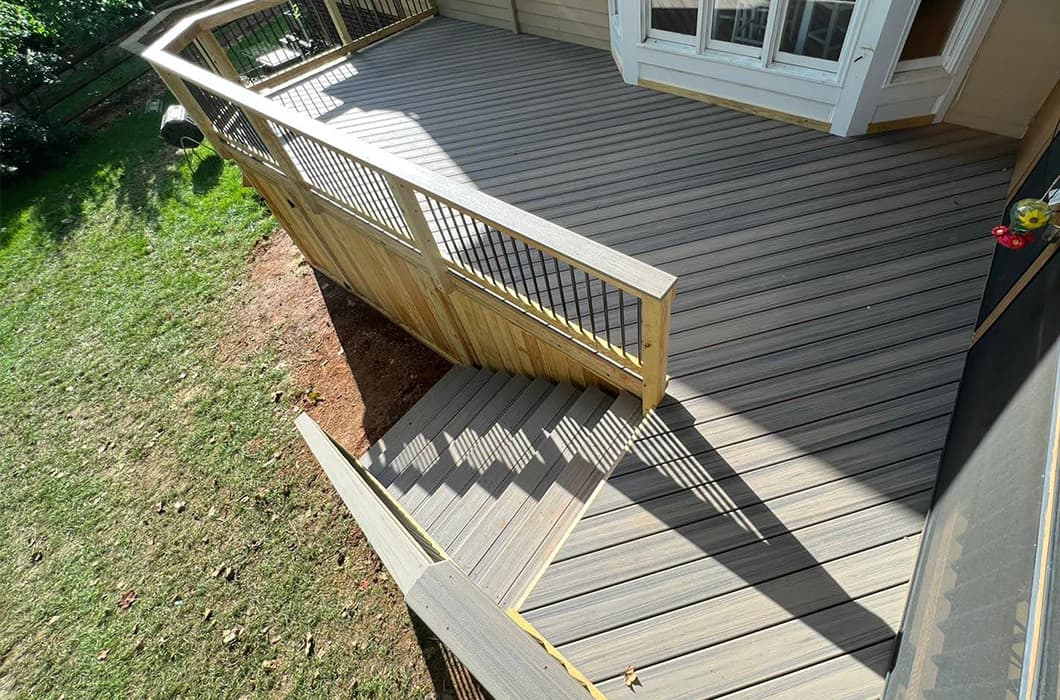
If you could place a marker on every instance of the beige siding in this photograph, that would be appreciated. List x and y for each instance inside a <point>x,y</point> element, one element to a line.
<point>495,13</point>
<point>1014,70</point>
<point>576,21</point>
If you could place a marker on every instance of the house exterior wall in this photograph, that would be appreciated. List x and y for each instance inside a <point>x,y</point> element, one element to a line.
<point>1017,65</point>
<point>495,13</point>
<point>577,21</point>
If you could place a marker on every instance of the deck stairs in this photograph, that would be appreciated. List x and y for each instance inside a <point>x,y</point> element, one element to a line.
<point>497,469</point>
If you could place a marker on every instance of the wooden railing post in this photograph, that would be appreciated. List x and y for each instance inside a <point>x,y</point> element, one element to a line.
<point>209,45</point>
<point>655,347</point>
<point>409,205</point>
<point>339,22</point>
<point>219,57</point>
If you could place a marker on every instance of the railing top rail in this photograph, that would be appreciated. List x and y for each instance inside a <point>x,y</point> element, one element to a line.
<point>616,268</point>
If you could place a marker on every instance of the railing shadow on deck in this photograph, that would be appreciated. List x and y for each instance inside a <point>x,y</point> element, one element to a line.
<point>725,518</point>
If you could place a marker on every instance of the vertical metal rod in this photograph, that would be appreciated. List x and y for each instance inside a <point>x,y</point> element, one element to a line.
<point>589,293</point>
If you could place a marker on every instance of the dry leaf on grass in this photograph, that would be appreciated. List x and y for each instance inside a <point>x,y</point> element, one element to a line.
<point>102,656</point>
<point>309,644</point>
<point>269,664</point>
<point>127,600</point>
<point>224,571</point>
<point>231,636</point>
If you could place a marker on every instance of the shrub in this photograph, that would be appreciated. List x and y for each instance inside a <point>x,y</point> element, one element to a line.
<point>27,145</point>
<point>27,49</point>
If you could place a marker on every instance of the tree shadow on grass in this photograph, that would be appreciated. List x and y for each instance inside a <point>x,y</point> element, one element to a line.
<point>207,173</point>
<point>127,161</point>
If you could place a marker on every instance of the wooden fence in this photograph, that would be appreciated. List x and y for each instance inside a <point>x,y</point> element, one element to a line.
<point>480,281</point>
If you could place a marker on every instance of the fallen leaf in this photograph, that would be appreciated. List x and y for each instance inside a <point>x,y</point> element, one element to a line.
<point>274,640</point>
<point>207,614</point>
<point>270,664</point>
<point>102,656</point>
<point>309,644</point>
<point>630,677</point>
<point>231,636</point>
<point>224,571</point>
<point>127,600</point>
<point>139,646</point>
<point>364,584</point>
<point>160,507</point>
<point>179,506</point>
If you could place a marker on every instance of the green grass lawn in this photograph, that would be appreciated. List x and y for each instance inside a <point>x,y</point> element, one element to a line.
<point>118,271</point>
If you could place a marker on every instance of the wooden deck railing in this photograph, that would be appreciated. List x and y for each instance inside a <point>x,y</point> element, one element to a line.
<point>480,280</point>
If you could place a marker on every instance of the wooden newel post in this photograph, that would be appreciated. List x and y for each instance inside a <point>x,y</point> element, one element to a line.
<point>340,23</point>
<point>409,205</point>
<point>655,347</point>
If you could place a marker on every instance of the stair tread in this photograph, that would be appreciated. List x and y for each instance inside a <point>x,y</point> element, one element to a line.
<point>500,553</point>
<point>562,504</point>
<point>410,425</point>
<point>387,472</point>
<point>454,484</point>
<point>508,461</point>
<point>471,543</point>
<point>427,474</point>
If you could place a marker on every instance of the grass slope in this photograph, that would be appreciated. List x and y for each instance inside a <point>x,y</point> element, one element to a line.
<point>118,270</point>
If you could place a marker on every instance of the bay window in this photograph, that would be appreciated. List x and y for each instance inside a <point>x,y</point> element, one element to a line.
<point>809,33</point>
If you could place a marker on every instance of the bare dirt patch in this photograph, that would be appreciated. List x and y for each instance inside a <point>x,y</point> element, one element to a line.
<point>358,373</point>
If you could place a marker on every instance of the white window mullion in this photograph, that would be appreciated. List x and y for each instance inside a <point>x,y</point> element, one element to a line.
<point>706,11</point>
<point>774,24</point>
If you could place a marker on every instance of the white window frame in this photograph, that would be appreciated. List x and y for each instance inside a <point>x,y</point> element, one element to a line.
<point>809,61</point>
<point>768,55</point>
<point>672,37</point>
<point>963,25</point>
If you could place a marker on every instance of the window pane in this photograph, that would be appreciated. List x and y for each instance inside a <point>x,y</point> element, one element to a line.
<point>931,28</point>
<point>816,28</point>
<point>740,21</point>
<point>678,16</point>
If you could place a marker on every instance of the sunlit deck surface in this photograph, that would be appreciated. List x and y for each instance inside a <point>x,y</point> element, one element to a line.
<point>758,540</point>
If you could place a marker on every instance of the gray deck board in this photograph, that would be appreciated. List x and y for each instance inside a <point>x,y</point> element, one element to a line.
<point>827,289</point>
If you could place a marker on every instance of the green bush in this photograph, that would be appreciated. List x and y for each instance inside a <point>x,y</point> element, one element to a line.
<point>39,38</point>
<point>28,145</point>
<point>28,55</point>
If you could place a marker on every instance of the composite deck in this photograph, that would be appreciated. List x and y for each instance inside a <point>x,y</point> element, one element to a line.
<point>758,539</point>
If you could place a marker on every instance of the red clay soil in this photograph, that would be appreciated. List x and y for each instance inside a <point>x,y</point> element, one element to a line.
<point>357,372</point>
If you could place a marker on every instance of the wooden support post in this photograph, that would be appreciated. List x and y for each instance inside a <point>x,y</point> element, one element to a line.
<point>213,50</point>
<point>655,347</point>
<point>409,205</point>
<point>340,23</point>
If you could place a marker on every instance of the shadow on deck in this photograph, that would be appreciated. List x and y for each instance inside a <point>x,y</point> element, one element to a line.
<point>759,538</point>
